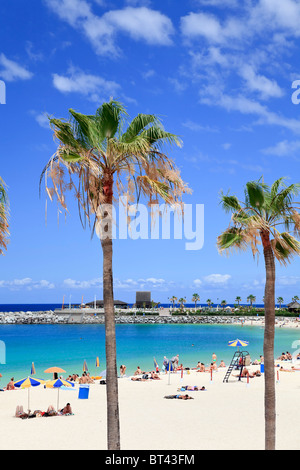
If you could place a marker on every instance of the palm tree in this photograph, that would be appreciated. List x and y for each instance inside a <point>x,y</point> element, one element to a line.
<point>196,298</point>
<point>182,301</point>
<point>238,300</point>
<point>4,215</point>
<point>280,301</point>
<point>251,298</point>
<point>209,302</point>
<point>257,220</point>
<point>173,300</point>
<point>104,155</point>
<point>223,303</point>
<point>295,298</point>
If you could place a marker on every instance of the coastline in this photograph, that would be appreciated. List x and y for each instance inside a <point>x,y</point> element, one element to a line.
<point>51,317</point>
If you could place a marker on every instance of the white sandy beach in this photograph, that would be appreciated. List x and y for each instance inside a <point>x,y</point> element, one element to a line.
<point>225,416</point>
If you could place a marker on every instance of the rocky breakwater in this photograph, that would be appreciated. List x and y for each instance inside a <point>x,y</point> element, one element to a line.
<point>50,317</point>
<point>155,319</point>
<point>28,318</point>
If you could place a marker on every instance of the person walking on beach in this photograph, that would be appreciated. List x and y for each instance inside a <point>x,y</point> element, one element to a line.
<point>214,357</point>
<point>175,361</point>
<point>165,364</point>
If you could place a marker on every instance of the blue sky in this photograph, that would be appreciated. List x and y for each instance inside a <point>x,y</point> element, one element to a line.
<point>219,73</point>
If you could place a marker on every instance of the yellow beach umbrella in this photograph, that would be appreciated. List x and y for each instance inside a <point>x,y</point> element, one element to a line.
<point>58,383</point>
<point>238,342</point>
<point>28,382</point>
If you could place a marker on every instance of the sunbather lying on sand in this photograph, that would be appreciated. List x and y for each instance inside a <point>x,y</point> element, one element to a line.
<point>50,411</point>
<point>192,388</point>
<point>20,412</point>
<point>154,376</point>
<point>246,372</point>
<point>67,410</point>
<point>180,397</point>
<point>286,370</point>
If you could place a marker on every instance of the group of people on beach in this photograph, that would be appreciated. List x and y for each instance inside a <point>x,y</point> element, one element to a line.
<point>84,379</point>
<point>66,411</point>
<point>286,356</point>
<point>152,375</point>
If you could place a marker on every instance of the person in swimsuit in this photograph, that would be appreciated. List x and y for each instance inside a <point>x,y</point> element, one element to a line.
<point>180,397</point>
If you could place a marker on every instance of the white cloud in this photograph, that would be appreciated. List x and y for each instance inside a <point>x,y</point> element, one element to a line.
<point>263,18</point>
<point>73,284</point>
<point>201,24</point>
<point>255,82</point>
<point>197,283</point>
<point>140,23</point>
<point>217,279</point>
<point>249,106</point>
<point>219,3</point>
<point>289,280</point>
<point>42,119</point>
<point>284,148</point>
<point>127,284</point>
<point>92,86</point>
<point>242,49</point>
<point>12,71</point>
<point>195,126</point>
<point>148,74</point>
<point>207,26</point>
<point>26,283</point>
<point>227,146</point>
<point>274,14</point>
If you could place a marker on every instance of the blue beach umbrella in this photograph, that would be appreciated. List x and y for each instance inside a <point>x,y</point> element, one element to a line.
<point>58,383</point>
<point>238,343</point>
<point>169,369</point>
<point>32,369</point>
<point>28,382</point>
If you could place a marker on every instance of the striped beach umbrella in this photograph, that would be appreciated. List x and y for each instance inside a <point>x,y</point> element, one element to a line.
<point>97,362</point>
<point>85,367</point>
<point>32,372</point>
<point>155,365</point>
<point>58,383</point>
<point>238,343</point>
<point>170,369</point>
<point>28,382</point>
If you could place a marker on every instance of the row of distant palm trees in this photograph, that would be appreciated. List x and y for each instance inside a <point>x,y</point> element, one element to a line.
<point>196,298</point>
<point>105,154</point>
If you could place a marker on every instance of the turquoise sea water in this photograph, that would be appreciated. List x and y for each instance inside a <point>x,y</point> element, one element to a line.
<point>68,346</point>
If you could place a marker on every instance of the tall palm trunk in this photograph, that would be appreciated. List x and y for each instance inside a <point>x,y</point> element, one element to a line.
<point>113,424</point>
<point>270,400</point>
